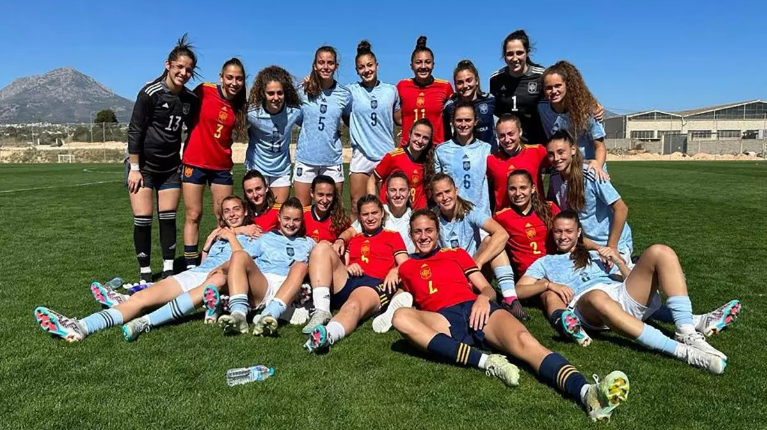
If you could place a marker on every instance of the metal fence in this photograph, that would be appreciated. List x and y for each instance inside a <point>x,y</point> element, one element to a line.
<point>667,146</point>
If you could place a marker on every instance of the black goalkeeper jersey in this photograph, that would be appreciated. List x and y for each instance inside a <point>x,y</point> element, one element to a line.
<point>520,97</point>
<point>158,119</point>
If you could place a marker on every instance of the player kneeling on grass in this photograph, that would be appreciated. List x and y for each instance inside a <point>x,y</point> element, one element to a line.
<point>599,302</point>
<point>268,276</point>
<point>362,285</point>
<point>453,319</point>
<point>180,293</point>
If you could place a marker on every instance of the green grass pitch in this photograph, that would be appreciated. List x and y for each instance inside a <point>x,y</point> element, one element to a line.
<point>58,234</point>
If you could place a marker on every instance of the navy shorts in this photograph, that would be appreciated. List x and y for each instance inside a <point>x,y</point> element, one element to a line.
<point>157,181</point>
<point>458,317</point>
<point>200,176</point>
<point>338,299</point>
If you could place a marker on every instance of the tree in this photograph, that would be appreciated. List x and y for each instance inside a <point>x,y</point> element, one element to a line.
<point>106,115</point>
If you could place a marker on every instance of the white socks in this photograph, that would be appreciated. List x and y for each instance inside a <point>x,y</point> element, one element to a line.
<point>321,298</point>
<point>335,331</point>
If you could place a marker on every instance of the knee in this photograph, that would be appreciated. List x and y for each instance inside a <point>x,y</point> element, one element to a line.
<point>661,252</point>
<point>320,249</point>
<point>240,256</point>
<point>524,340</point>
<point>353,307</point>
<point>193,215</point>
<point>402,319</point>
<point>599,300</point>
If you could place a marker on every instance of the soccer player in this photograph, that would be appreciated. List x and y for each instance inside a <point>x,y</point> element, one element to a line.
<point>163,108</point>
<point>274,110</point>
<point>453,322</point>
<point>208,152</point>
<point>464,157</point>
<point>467,87</point>
<point>261,202</point>
<point>372,113</point>
<point>569,107</point>
<point>513,154</point>
<point>415,160</point>
<point>361,284</point>
<point>423,96</point>
<point>598,302</point>
<point>259,278</point>
<point>323,101</point>
<point>326,218</point>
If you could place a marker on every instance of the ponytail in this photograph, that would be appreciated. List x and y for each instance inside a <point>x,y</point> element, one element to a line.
<point>579,255</point>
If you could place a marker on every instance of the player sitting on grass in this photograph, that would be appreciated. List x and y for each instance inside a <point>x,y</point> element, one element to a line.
<point>360,285</point>
<point>269,274</point>
<point>453,321</point>
<point>599,302</point>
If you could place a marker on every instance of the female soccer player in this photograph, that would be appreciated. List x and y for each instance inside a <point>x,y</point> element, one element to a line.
<point>467,87</point>
<point>569,106</point>
<point>163,108</point>
<point>361,284</point>
<point>464,226</point>
<point>464,157</point>
<point>513,154</point>
<point>454,321</point>
<point>208,152</point>
<point>260,278</point>
<point>415,160</point>
<point>274,109</point>
<point>323,101</point>
<point>180,293</point>
<point>261,202</point>
<point>597,301</point>
<point>326,218</point>
<point>423,96</point>
<point>373,111</point>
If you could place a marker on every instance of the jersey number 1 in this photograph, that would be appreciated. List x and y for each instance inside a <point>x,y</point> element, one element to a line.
<point>173,123</point>
<point>423,113</point>
<point>514,104</point>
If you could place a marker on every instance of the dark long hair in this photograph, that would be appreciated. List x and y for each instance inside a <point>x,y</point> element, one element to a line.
<point>427,155</point>
<point>428,213</point>
<point>576,197</point>
<point>240,100</point>
<point>520,35</point>
<point>462,206</point>
<point>294,203</point>
<point>183,48</point>
<point>579,103</point>
<point>370,198</point>
<point>579,254</point>
<point>313,86</point>
<point>257,97</point>
<point>540,206</point>
<point>398,174</point>
<point>244,203</point>
<point>463,66</point>
<point>339,219</point>
<point>268,198</point>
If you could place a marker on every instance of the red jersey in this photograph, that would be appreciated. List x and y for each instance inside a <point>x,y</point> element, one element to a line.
<point>375,252</point>
<point>268,219</point>
<point>423,101</point>
<point>210,141</point>
<point>319,229</point>
<point>401,160</point>
<point>499,165</point>
<point>529,238</point>
<point>440,279</point>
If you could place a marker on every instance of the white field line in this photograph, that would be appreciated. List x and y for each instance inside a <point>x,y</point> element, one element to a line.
<point>85,184</point>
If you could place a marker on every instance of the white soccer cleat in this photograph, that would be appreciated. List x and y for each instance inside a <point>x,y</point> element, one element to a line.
<point>717,320</point>
<point>133,329</point>
<point>57,324</point>
<point>382,323</point>
<point>498,366</point>
<point>698,341</point>
<point>604,396</point>
<point>704,360</point>
<point>235,323</point>
<point>318,318</point>
<point>107,296</point>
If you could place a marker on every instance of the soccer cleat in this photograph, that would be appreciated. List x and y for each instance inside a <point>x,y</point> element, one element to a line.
<point>318,318</point>
<point>717,320</point>
<point>133,329</point>
<point>265,325</point>
<point>211,301</point>
<point>602,397</point>
<point>106,296</point>
<point>382,323</point>
<point>54,323</point>
<point>233,324</point>
<point>318,340</point>
<point>515,308</point>
<point>703,360</point>
<point>145,277</point>
<point>571,327</point>
<point>698,341</point>
<point>499,367</point>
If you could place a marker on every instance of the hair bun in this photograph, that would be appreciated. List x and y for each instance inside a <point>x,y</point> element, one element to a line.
<point>421,42</point>
<point>363,47</point>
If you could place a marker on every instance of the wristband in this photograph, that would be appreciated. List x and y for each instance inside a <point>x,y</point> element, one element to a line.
<point>134,166</point>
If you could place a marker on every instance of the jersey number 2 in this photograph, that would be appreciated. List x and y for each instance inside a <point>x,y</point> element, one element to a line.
<point>534,245</point>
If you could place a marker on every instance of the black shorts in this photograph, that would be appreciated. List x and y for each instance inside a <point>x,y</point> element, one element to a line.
<point>157,181</point>
<point>458,317</point>
<point>338,299</point>
<point>200,176</point>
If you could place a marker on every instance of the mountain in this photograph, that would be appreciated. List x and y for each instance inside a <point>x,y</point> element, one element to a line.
<point>59,96</point>
<point>609,114</point>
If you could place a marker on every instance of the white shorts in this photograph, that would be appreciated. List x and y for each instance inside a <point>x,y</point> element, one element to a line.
<point>617,292</point>
<point>361,164</point>
<point>274,282</point>
<point>278,181</point>
<point>190,279</point>
<point>305,173</point>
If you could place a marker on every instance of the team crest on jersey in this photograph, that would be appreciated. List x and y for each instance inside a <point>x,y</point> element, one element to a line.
<point>290,251</point>
<point>529,231</point>
<point>454,243</point>
<point>483,109</point>
<point>511,168</point>
<point>365,250</point>
<point>532,87</point>
<point>323,108</point>
<point>186,107</point>
<point>421,100</point>
<point>373,104</point>
<point>316,235</point>
<point>414,180</point>
<point>425,271</point>
<point>299,171</point>
<point>467,165</point>
<point>223,115</point>
<point>188,171</point>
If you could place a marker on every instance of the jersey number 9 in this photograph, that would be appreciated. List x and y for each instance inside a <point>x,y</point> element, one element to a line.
<point>373,119</point>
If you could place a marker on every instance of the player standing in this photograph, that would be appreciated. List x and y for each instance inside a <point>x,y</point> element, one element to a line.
<point>274,109</point>
<point>467,87</point>
<point>323,101</point>
<point>163,108</point>
<point>423,96</point>
<point>208,152</point>
<point>373,111</point>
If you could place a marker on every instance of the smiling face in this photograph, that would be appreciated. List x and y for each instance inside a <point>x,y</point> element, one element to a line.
<point>554,88</point>
<point>290,221</point>
<point>560,154</point>
<point>515,56</point>
<point>466,84</point>
<point>180,70</point>
<point>422,65</point>
<point>367,69</point>
<point>274,95</point>
<point>322,197</point>
<point>325,64</point>
<point>464,121</point>
<point>520,191</point>
<point>255,191</point>
<point>370,217</point>
<point>565,233</point>
<point>509,136</point>
<point>233,213</point>
<point>397,193</point>
<point>444,194</point>
<point>420,136</point>
<point>424,233</point>
<point>232,81</point>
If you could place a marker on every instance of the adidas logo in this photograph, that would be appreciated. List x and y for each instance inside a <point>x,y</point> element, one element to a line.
<point>141,255</point>
<point>503,87</point>
<point>165,105</point>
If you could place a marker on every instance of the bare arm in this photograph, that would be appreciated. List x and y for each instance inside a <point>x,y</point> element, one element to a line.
<point>620,214</point>
<point>398,117</point>
<point>481,285</point>
<point>495,242</point>
<point>373,184</point>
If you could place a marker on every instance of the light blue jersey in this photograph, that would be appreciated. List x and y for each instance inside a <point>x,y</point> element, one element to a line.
<point>371,118</point>
<point>467,165</point>
<point>221,251</point>
<point>275,252</point>
<point>463,233</point>
<point>597,215</point>
<point>319,141</point>
<point>560,269</point>
<point>269,140</point>
<point>553,122</point>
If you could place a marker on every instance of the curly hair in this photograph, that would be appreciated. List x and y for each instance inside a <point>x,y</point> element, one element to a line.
<point>579,102</point>
<point>257,96</point>
<point>313,85</point>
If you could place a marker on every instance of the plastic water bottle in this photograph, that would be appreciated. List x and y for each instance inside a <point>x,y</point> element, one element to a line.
<point>248,374</point>
<point>135,288</point>
<point>115,283</point>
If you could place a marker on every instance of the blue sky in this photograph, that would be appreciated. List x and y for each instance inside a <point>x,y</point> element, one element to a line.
<point>638,55</point>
